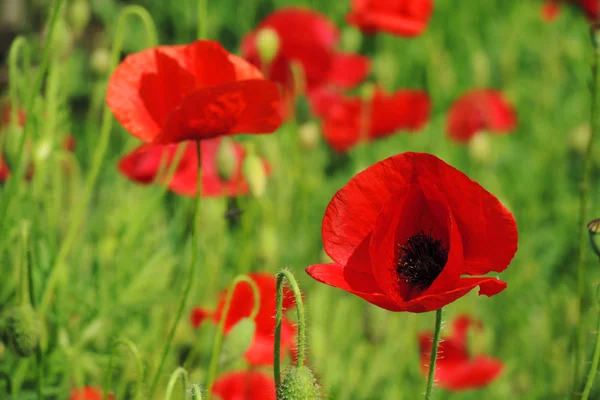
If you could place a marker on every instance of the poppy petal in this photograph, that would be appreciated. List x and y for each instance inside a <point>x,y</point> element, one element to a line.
<point>477,373</point>
<point>250,106</point>
<point>252,385</point>
<point>408,18</point>
<point>348,70</point>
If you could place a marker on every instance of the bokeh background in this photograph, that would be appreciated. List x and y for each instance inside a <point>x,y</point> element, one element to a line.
<point>127,268</point>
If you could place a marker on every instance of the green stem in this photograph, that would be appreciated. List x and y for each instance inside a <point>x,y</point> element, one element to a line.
<point>12,184</point>
<point>594,366</point>
<point>196,392</point>
<point>138,360</point>
<point>301,337</point>
<point>13,58</point>
<point>25,295</point>
<point>191,274</point>
<point>102,146</point>
<point>217,344</point>
<point>434,353</point>
<point>583,205</point>
<point>202,19</point>
<point>173,380</point>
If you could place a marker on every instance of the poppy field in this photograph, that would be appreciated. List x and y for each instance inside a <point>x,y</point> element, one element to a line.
<point>299,199</point>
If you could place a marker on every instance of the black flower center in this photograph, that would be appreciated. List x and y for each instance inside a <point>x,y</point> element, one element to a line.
<point>420,260</point>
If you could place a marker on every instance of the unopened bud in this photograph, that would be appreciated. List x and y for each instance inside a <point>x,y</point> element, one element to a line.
<point>367,91</point>
<point>594,231</point>
<point>62,39</point>
<point>20,330</point>
<point>351,39</point>
<point>100,60</point>
<point>309,135</point>
<point>79,15</point>
<point>226,159</point>
<point>254,171</point>
<point>267,44</point>
<point>480,148</point>
<point>237,341</point>
<point>299,383</point>
<point>579,138</point>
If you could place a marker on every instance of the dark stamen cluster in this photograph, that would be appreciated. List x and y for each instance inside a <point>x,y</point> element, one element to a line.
<point>420,260</point>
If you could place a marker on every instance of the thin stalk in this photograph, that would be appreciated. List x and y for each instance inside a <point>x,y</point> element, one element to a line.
<point>202,19</point>
<point>12,184</point>
<point>583,204</point>
<point>434,351</point>
<point>217,344</point>
<point>594,366</point>
<point>301,337</point>
<point>173,380</point>
<point>107,119</point>
<point>191,274</point>
<point>138,360</point>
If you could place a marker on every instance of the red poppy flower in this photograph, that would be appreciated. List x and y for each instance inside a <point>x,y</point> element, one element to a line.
<point>478,110</point>
<point>6,111</point>
<point>398,17</point>
<point>455,368</point>
<point>4,171</point>
<point>261,349</point>
<point>406,233</point>
<point>251,385</point>
<point>198,91</point>
<point>591,8</point>
<point>144,163</point>
<point>550,10</point>
<point>89,393</point>
<point>308,38</point>
<point>348,120</point>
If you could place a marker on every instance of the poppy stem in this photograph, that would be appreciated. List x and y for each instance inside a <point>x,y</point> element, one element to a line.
<point>191,273</point>
<point>595,358</point>
<point>434,351</point>
<point>301,338</point>
<point>202,19</point>
<point>57,270</point>
<point>173,380</point>
<point>138,361</point>
<point>583,203</point>
<point>218,343</point>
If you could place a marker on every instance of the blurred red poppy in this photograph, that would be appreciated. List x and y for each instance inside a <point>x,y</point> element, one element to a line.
<point>89,393</point>
<point>261,349</point>
<point>144,163</point>
<point>308,38</point>
<point>404,232</point>
<point>198,91</point>
<point>455,368</point>
<point>478,110</point>
<point>6,111</point>
<point>550,10</point>
<point>4,171</point>
<point>252,385</point>
<point>349,120</point>
<point>397,17</point>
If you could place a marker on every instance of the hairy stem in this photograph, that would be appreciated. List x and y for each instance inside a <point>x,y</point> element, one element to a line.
<point>434,351</point>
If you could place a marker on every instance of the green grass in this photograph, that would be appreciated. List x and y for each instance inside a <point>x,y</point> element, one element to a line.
<point>125,273</point>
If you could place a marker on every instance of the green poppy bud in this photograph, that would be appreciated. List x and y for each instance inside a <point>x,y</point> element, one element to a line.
<point>254,171</point>
<point>20,330</point>
<point>367,91</point>
<point>62,39</point>
<point>299,383</point>
<point>100,60</point>
<point>480,148</point>
<point>309,135</point>
<point>226,159</point>
<point>351,39</point>
<point>579,138</point>
<point>267,44</point>
<point>79,15</point>
<point>237,341</point>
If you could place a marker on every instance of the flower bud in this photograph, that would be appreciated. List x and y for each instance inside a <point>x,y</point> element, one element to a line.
<point>367,91</point>
<point>20,330</point>
<point>79,15</point>
<point>480,148</point>
<point>254,171</point>
<point>299,383</point>
<point>62,39</point>
<point>579,138</point>
<point>226,159</point>
<point>309,135</point>
<point>267,44</point>
<point>237,341</point>
<point>594,231</point>
<point>351,39</point>
<point>100,60</point>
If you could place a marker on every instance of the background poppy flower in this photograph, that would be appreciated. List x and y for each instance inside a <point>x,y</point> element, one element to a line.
<point>455,368</point>
<point>590,8</point>
<point>308,38</point>
<point>261,349</point>
<point>89,393</point>
<point>404,232</point>
<point>144,163</point>
<point>198,91</point>
<point>343,117</point>
<point>6,111</point>
<point>397,17</point>
<point>251,385</point>
<point>4,171</point>
<point>550,10</point>
<point>478,110</point>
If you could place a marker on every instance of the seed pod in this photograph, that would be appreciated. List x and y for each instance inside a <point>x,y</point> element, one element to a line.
<point>267,44</point>
<point>20,330</point>
<point>254,171</point>
<point>100,60</point>
<point>299,383</point>
<point>226,159</point>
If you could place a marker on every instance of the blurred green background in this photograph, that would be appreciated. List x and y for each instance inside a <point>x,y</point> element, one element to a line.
<point>127,268</point>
